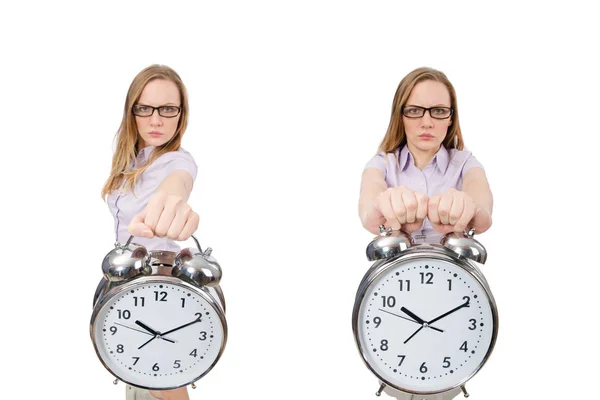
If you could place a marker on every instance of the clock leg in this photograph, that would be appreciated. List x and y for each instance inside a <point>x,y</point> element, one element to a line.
<point>135,393</point>
<point>449,395</point>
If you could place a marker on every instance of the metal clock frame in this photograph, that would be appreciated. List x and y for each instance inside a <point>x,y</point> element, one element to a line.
<point>430,251</point>
<point>160,274</point>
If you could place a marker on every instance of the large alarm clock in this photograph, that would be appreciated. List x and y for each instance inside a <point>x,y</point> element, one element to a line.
<point>159,317</point>
<point>424,319</point>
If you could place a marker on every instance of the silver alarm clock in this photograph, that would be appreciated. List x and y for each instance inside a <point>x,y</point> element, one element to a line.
<point>159,317</point>
<point>424,318</point>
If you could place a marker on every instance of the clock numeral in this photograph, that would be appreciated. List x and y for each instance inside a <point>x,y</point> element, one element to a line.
<point>198,316</point>
<point>162,294</point>
<point>194,353</point>
<point>403,285</point>
<point>135,301</point>
<point>388,301</point>
<point>202,335</point>
<point>136,360</point>
<point>464,347</point>
<point>474,326</point>
<point>401,359</point>
<point>155,367</point>
<point>183,302</point>
<point>468,300</point>
<point>450,284</point>
<point>125,314</point>
<point>429,276</point>
<point>377,321</point>
<point>113,329</point>
<point>384,345</point>
<point>446,362</point>
<point>423,368</point>
<point>177,364</point>
<point>120,348</point>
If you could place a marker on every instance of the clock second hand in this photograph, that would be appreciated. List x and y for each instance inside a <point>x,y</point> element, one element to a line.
<point>153,332</point>
<point>411,320</point>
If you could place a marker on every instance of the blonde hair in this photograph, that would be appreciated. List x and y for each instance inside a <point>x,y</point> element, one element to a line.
<point>127,136</point>
<point>396,135</point>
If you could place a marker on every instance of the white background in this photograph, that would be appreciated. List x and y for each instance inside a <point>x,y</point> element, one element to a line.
<point>288,102</point>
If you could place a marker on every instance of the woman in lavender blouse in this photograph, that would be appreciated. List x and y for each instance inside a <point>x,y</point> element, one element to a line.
<point>152,176</point>
<point>422,181</point>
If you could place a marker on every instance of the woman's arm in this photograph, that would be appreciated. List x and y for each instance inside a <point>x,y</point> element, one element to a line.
<point>168,213</point>
<point>372,184</point>
<point>476,185</point>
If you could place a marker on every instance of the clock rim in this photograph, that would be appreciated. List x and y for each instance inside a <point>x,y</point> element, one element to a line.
<point>382,266</point>
<point>143,280</point>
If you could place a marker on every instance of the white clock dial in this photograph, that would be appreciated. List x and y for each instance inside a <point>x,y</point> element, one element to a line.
<point>425,325</point>
<point>158,334</point>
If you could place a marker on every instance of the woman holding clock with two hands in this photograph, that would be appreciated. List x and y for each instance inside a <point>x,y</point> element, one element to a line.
<point>422,181</point>
<point>152,176</point>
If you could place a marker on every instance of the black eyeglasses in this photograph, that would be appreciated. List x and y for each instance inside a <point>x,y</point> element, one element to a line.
<point>147,111</point>
<point>434,112</point>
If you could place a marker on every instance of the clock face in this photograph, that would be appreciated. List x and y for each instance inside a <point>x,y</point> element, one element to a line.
<point>425,325</point>
<point>158,334</point>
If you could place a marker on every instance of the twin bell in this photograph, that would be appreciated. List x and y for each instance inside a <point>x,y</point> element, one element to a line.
<point>132,260</point>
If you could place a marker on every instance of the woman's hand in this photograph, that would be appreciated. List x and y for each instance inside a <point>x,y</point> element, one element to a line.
<point>398,207</point>
<point>166,215</point>
<point>456,211</point>
<point>176,394</point>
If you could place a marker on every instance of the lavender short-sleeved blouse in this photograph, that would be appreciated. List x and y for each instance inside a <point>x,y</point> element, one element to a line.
<point>125,205</point>
<point>446,170</point>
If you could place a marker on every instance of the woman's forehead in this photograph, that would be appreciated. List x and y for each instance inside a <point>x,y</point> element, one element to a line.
<point>160,91</point>
<point>429,93</point>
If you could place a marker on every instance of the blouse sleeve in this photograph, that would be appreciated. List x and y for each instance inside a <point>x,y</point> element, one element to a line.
<point>178,160</point>
<point>379,162</point>
<point>470,163</point>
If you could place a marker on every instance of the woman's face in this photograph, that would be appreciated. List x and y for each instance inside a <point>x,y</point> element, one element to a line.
<point>156,130</point>
<point>426,133</point>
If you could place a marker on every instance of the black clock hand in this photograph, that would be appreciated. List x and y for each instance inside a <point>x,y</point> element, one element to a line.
<point>408,319</point>
<point>411,314</point>
<point>129,327</point>
<point>152,331</point>
<point>466,304</point>
<point>411,336</point>
<point>146,327</point>
<point>147,342</point>
<point>182,326</point>
<point>146,333</point>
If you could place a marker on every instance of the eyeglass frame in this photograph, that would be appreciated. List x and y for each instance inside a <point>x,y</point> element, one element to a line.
<point>425,109</point>
<point>153,109</point>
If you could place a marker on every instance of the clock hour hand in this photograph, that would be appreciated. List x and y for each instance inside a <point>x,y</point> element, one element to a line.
<point>146,327</point>
<point>411,320</point>
<point>466,304</point>
<point>152,331</point>
<point>411,314</point>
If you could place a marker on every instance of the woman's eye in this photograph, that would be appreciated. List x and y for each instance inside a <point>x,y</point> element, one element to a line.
<point>439,111</point>
<point>412,110</point>
<point>168,109</point>
<point>142,108</point>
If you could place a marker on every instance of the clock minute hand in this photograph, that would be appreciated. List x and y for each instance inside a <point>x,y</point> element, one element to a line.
<point>182,326</point>
<point>466,304</point>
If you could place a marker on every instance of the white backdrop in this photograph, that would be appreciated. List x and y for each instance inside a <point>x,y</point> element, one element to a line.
<point>288,101</point>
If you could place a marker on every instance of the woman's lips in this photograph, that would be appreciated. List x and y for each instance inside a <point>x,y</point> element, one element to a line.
<point>426,136</point>
<point>155,134</point>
